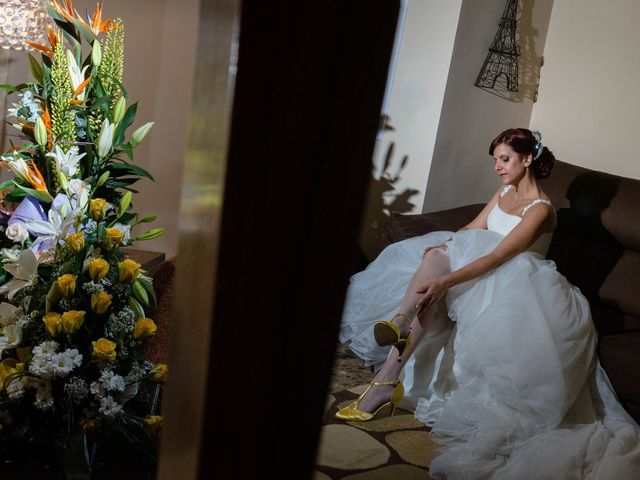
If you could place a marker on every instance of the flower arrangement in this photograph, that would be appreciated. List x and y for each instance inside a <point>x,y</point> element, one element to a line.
<point>74,312</point>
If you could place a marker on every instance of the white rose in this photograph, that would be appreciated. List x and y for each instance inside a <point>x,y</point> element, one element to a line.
<point>77,186</point>
<point>17,232</point>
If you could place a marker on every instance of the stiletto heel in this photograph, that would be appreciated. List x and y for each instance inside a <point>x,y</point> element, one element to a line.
<point>387,333</point>
<point>353,414</point>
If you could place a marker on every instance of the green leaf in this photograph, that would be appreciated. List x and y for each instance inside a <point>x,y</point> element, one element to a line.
<point>128,149</point>
<point>99,102</point>
<point>78,54</point>
<point>36,69</point>
<point>6,184</point>
<point>54,13</point>
<point>122,169</point>
<point>12,88</point>
<point>126,122</point>
<point>15,195</point>
<point>52,297</point>
<point>87,34</point>
<point>133,431</point>
<point>124,182</point>
<point>122,89</point>
<point>37,194</point>
<point>77,464</point>
<point>69,32</point>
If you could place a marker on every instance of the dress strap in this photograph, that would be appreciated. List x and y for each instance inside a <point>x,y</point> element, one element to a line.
<point>505,190</point>
<point>535,202</point>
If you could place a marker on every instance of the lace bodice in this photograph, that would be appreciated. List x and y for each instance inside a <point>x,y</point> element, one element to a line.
<point>503,222</point>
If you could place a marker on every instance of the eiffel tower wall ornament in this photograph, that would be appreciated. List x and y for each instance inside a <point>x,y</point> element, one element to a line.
<point>501,63</point>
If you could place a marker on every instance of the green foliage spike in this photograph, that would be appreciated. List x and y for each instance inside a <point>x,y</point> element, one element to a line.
<point>63,127</point>
<point>112,65</point>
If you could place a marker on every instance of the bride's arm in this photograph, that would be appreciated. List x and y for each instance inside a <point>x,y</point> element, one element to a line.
<point>517,241</point>
<point>481,220</point>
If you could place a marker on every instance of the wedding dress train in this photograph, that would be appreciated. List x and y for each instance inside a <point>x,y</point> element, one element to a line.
<point>507,378</point>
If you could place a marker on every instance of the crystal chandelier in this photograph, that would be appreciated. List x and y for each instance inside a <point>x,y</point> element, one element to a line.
<point>22,21</point>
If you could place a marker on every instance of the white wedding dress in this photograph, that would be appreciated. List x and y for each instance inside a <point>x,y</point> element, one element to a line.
<point>508,378</point>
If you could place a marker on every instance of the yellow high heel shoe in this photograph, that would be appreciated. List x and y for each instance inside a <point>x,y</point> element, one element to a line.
<point>387,333</point>
<point>352,413</point>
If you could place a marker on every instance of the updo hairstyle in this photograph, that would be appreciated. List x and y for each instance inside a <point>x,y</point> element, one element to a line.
<point>523,142</point>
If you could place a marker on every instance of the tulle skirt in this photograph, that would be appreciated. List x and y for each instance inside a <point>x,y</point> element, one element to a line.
<point>507,377</point>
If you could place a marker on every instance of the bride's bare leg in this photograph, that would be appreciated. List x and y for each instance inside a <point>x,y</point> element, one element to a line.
<point>433,265</point>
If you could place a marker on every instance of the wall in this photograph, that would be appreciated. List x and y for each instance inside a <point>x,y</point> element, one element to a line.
<point>461,168</point>
<point>589,108</point>
<point>415,103</point>
<point>160,39</point>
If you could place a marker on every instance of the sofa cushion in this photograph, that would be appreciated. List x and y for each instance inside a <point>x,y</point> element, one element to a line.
<point>620,288</point>
<point>612,200</point>
<point>400,227</point>
<point>610,320</point>
<point>619,357</point>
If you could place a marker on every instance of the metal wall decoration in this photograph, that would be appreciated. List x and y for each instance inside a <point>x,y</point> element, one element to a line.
<point>502,59</point>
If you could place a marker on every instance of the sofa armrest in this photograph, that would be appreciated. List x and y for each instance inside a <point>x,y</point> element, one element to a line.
<point>400,227</point>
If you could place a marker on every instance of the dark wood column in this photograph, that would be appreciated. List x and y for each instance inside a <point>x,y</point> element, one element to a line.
<point>309,88</point>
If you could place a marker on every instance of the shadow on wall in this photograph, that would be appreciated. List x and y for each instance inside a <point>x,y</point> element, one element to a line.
<point>384,198</point>
<point>582,248</point>
<point>529,61</point>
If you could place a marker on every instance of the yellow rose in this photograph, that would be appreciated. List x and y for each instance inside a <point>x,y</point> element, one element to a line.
<point>72,320</point>
<point>100,302</point>
<point>75,242</point>
<point>104,349</point>
<point>153,424</point>
<point>145,327</point>
<point>53,322</point>
<point>67,284</point>
<point>8,368</point>
<point>113,238</point>
<point>128,271</point>
<point>98,269</point>
<point>159,373</point>
<point>97,208</point>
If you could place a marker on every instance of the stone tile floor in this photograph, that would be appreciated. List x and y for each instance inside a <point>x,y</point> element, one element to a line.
<point>386,448</point>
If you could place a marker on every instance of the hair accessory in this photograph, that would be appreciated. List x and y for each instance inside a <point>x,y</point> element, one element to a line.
<point>538,145</point>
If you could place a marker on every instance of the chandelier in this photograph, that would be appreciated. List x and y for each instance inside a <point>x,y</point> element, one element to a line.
<point>22,21</point>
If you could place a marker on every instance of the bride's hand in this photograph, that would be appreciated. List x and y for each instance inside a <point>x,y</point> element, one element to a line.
<point>433,291</point>
<point>428,249</point>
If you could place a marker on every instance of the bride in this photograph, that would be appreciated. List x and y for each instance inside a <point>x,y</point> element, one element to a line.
<point>495,349</point>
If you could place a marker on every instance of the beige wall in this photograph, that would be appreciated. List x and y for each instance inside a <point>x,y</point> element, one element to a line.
<point>461,168</point>
<point>160,39</point>
<point>415,103</point>
<point>589,106</point>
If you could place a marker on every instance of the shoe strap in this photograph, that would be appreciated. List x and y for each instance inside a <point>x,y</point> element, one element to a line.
<point>391,382</point>
<point>406,318</point>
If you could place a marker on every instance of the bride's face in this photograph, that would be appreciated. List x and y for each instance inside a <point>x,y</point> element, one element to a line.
<point>511,166</point>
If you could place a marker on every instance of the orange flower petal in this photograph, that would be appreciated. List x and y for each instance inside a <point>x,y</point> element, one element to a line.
<point>81,87</point>
<point>35,177</point>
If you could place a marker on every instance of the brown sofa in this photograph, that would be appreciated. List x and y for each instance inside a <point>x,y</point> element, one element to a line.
<point>596,246</point>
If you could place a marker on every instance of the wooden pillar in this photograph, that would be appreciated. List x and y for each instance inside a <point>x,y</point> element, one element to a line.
<point>309,88</point>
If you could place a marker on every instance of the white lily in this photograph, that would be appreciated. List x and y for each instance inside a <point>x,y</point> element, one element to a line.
<point>92,254</point>
<point>77,75</point>
<point>18,166</point>
<point>8,313</point>
<point>10,338</point>
<point>105,139</point>
<point>66,162</point>
<point>24,272</point>
<point>60,221</point>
